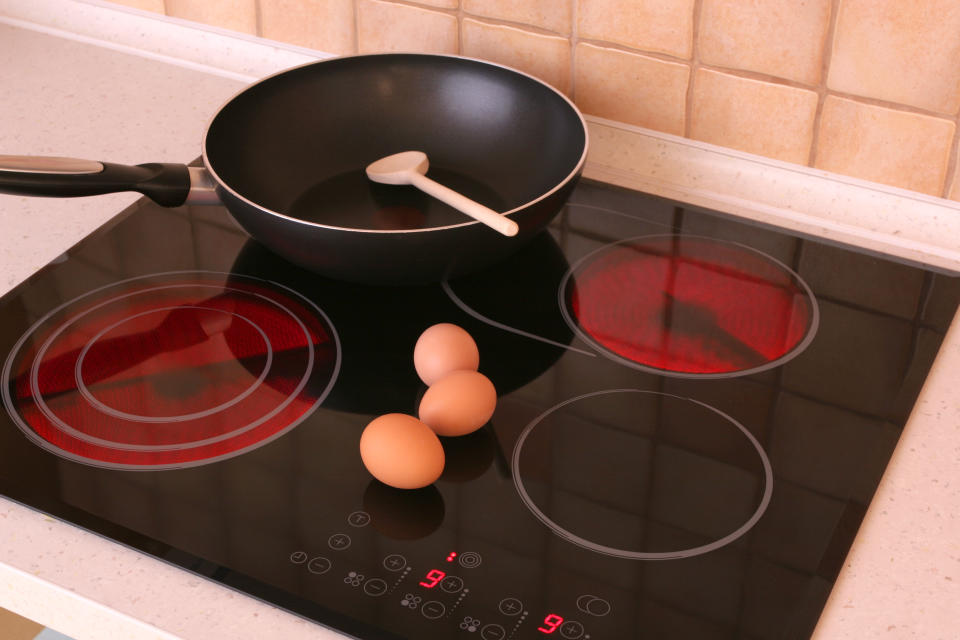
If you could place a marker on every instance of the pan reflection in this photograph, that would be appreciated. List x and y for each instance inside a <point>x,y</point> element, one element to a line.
<point>379,326</point>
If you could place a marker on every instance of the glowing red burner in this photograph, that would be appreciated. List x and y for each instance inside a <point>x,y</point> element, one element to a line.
<point>690,306</point>
<point>171,371</point>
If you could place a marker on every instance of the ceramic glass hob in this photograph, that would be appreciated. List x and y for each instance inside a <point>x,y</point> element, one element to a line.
<point>693,416</point>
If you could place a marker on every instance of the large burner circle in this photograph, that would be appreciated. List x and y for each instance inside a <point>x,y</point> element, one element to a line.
<point>642,475</point>
<point>689,306</point>
<point>170,370</point>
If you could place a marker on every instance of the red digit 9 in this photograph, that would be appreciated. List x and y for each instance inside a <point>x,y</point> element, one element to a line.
<point>550,623</point>
<point>433,577</point>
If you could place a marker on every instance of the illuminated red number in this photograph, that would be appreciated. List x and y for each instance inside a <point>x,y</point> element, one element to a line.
<point>550,623</point>
<point>433,577</point>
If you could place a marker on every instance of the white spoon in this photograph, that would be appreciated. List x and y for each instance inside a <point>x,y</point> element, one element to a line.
<point>409,167</point>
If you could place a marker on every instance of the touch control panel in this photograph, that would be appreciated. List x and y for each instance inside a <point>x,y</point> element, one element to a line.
<point>450,593</point>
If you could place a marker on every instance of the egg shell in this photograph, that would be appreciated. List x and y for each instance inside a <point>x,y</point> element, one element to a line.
<point>444,348</point>
<point>400,451</point>
<point>458,403</point>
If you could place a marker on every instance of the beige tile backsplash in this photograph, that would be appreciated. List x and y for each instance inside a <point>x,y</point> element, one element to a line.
<point>768,119</point>
<point>633,88</point>
<point>390,26</point>
<point>783,38</point>
<point>865,88</point>
<point>317,24</point>
<point>544,56</point>
<point>909,150</point>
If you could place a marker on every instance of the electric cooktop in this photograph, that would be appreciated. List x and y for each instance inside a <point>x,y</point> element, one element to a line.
<point>694,413</point>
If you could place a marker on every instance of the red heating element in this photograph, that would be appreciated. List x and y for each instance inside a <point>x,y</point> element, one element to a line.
<point>689,305</point>
<point>173,371</point>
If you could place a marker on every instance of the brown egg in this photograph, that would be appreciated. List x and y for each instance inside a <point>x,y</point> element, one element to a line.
<point>444,348</point>
<point>458,403</point>
<point>400,451</point>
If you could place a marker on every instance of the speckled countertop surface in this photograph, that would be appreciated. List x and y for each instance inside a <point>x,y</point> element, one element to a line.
<point>76,85</point>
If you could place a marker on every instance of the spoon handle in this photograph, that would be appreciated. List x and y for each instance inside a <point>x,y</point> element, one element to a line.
<point>474,209</point>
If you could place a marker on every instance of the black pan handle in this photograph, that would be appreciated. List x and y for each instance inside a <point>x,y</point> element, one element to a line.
<point>166,184</point>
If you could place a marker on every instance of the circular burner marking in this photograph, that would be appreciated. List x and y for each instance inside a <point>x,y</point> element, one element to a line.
<point>689,306</point>
<point>93,400</point>
<point>198,441</point>
<point>607,549</point>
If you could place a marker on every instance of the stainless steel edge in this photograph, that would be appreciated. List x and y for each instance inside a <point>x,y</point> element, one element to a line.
<point>202,187</point>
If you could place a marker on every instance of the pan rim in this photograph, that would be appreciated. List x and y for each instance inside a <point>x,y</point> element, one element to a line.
<point>221,184</point>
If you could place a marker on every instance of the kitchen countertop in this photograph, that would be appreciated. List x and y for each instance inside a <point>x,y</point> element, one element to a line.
<point>87,80</point>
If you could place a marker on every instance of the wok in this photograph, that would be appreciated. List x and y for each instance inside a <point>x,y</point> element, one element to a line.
<point>286,157</point>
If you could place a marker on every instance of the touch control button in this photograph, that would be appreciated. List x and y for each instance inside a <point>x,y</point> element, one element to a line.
<point>359,519</point>
<point>510,606</point>
<point>571,630</point>
<point>339,541</point>
<point>433,609</point>
<point>451,584</point>
<point>375,587</point>
<point>298,557</point>
<point>319,565</point>
<point>493,632</point>
<point>394,562</point>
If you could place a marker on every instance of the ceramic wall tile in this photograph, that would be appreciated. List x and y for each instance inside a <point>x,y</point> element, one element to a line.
<point>553,15</point>
<point>768,119</point>
<point>236,15</point>
<point>543,56</point>
<point>904,52</point>
<point>386,26</point>
<point>156,6</point>
<point>326,25</point>
<point>632,88</point>
<point>898,148</point>
<point>664,26</point>
<point>783,38</point>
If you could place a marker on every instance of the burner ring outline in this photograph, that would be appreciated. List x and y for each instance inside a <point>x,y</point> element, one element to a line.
<point>642,555</point>
<point>11,407</point>
<point>799,348</point>
<point>42,405</point>
<point>89,397</point>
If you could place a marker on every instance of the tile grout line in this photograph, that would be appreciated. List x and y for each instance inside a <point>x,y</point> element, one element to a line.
<point>892,106</point>
<point>951,181</point>
<point>522,26</point>
<point>822,92</point>
<point>694,66</point>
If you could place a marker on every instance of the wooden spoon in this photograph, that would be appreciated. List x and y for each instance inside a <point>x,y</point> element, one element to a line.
<point>409,167</point>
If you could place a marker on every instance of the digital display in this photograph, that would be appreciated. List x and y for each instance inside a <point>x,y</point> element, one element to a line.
<point>433,578</point>
<point>550,623</point>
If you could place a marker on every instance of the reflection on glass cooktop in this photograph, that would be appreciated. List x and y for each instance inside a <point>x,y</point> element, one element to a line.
<point>693,416</point>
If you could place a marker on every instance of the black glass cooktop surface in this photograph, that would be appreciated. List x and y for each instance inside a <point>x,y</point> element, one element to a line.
<point>693,416</point>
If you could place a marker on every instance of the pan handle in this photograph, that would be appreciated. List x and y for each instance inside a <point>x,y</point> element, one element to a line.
<point>166,184</point>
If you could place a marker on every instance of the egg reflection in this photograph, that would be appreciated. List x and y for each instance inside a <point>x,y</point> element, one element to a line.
<point>468,457</point>
<point>403,514</point>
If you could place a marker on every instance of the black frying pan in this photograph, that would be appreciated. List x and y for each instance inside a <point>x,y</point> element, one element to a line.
<point>286,156</point>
